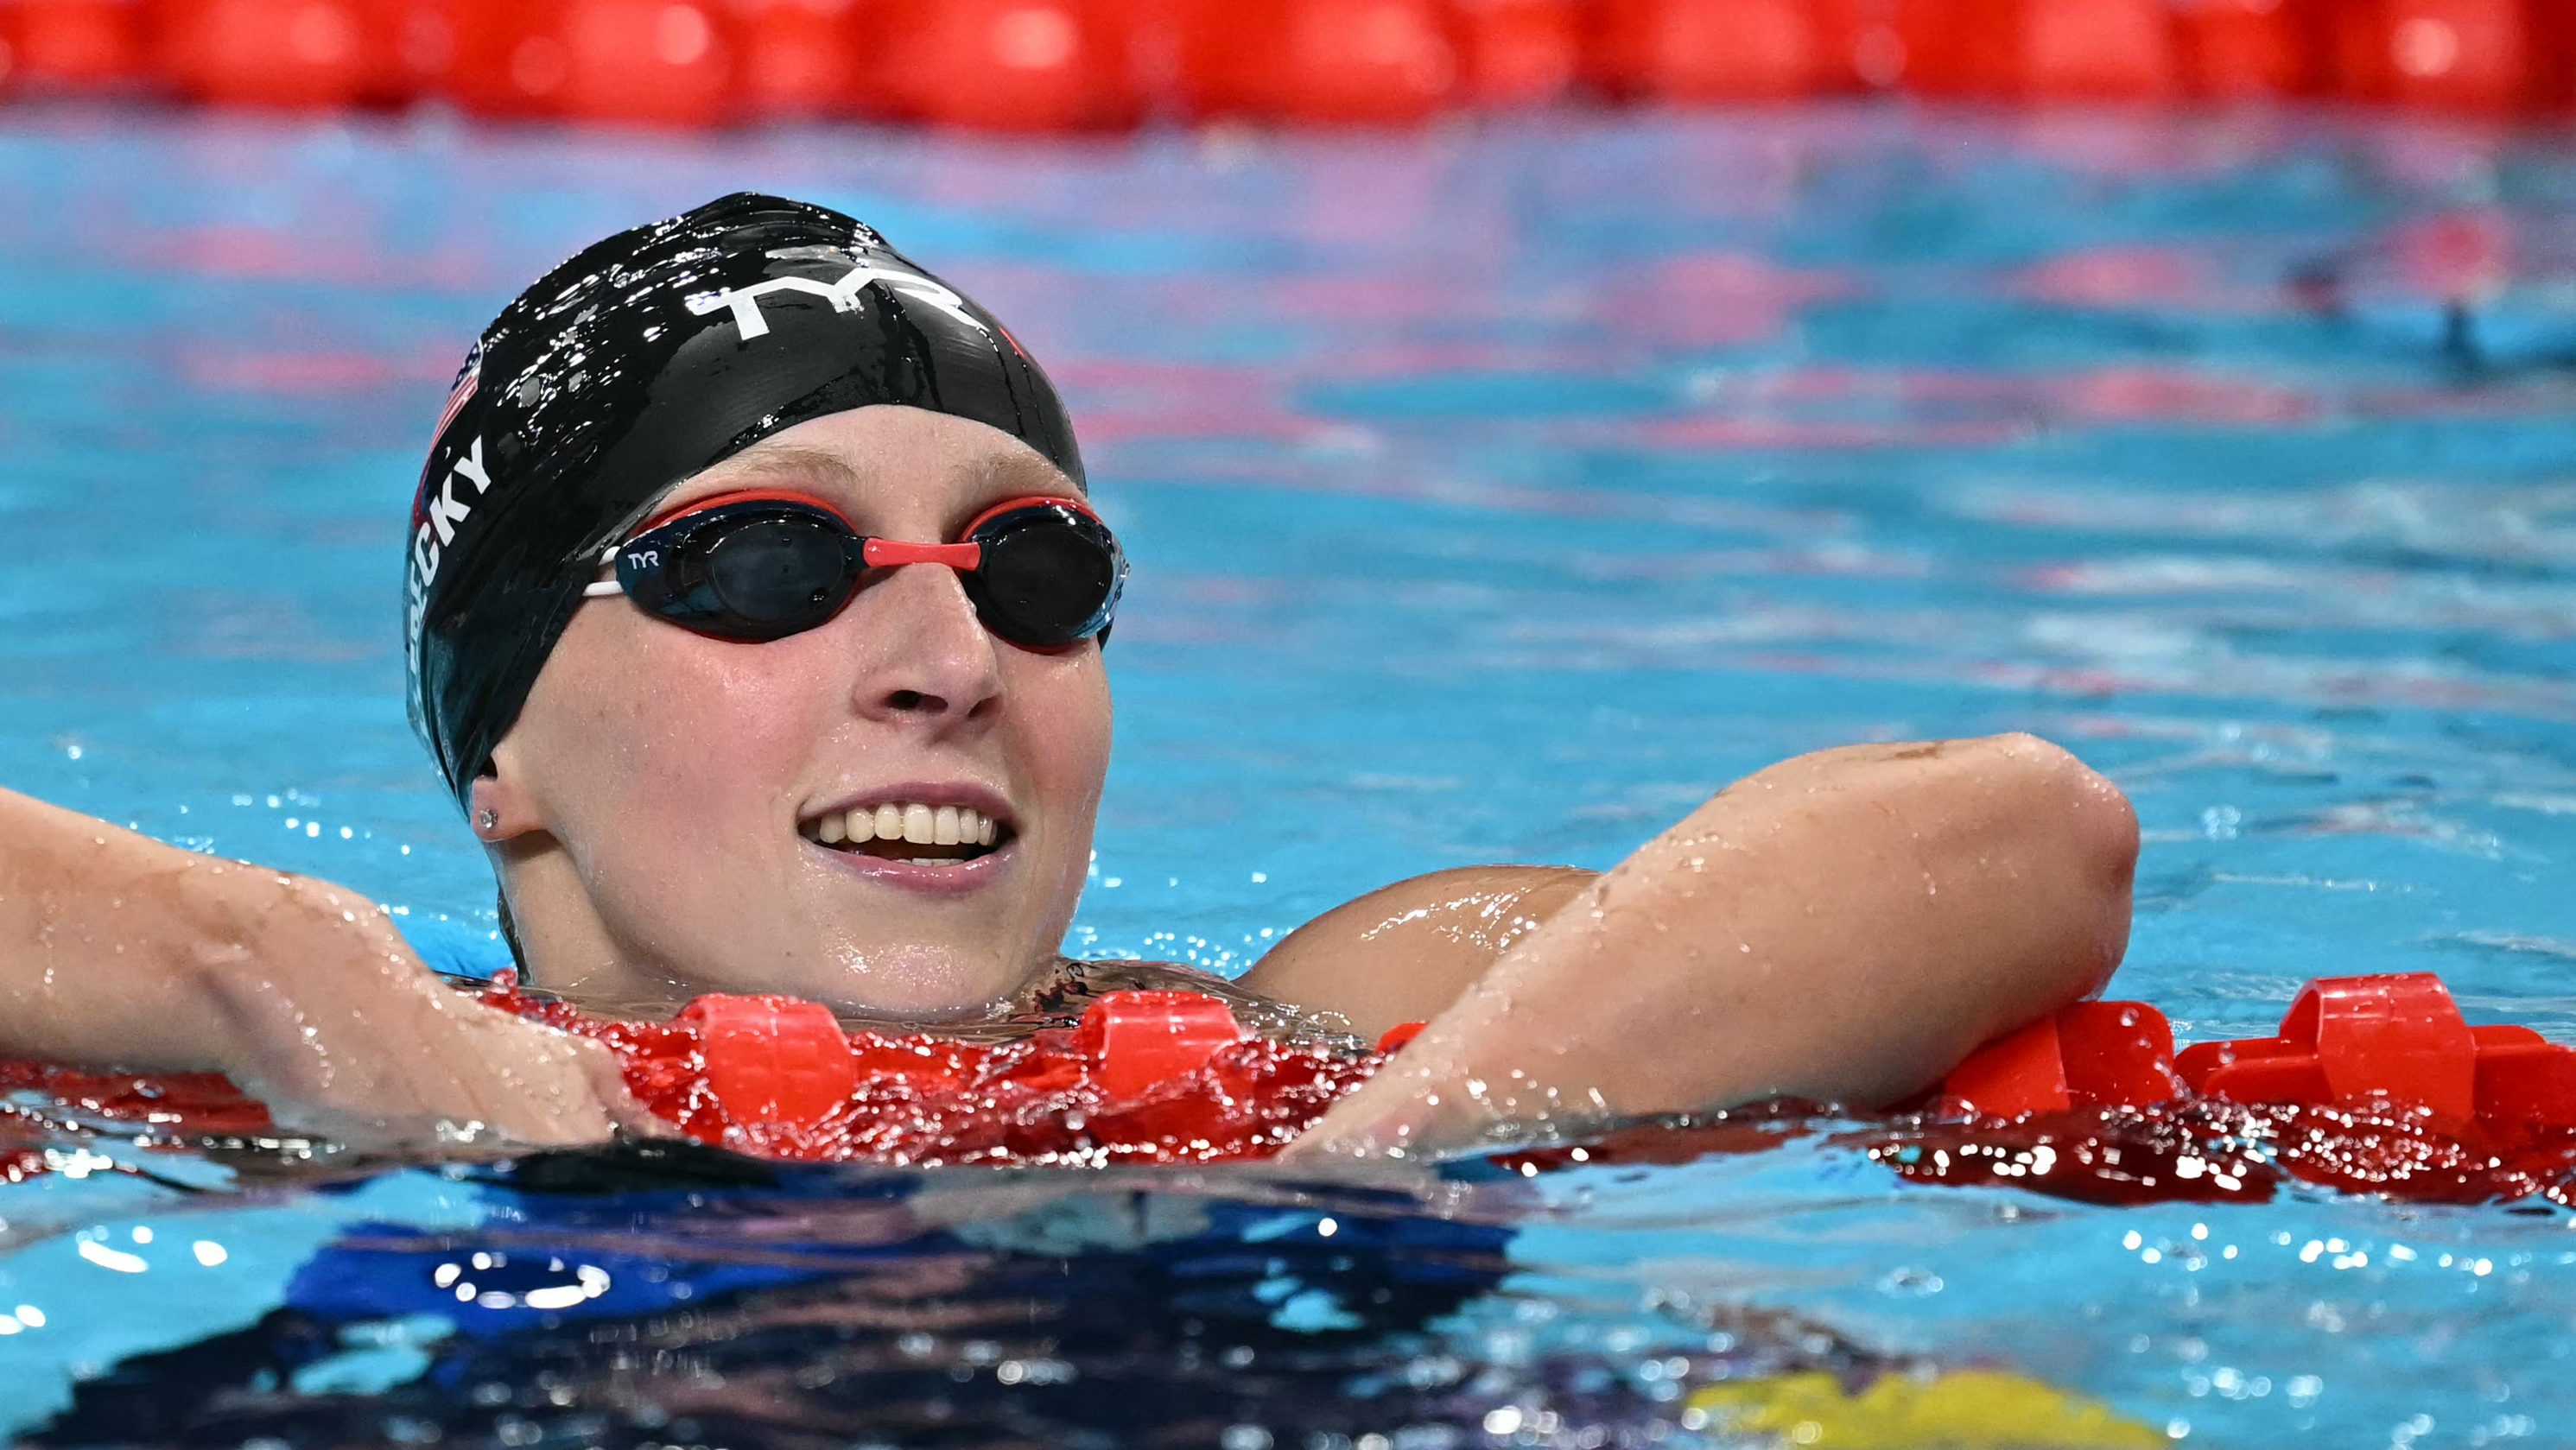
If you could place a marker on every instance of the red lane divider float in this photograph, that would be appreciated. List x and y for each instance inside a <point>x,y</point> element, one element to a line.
<point>1090,65</point>
<point>76,45</point>
<point>2234,49</point>
<point>1517,53</point>
<point>1009,65</point>
<point>2373,1084</point>
<point>2346,1041</point>
<point>798,58</point>
<point>1164,1077</point>
<point>1161,1077</point>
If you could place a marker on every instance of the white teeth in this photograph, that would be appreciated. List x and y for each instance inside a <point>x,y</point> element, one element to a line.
<point>922,825</point>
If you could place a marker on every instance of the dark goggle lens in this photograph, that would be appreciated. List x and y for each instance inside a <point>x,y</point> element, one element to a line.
<point>1050,576</point>
<point>788,571</point>
<point>743,572</point>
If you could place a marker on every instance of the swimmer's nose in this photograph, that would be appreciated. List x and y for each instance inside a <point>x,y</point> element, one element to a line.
<point>926,653</point>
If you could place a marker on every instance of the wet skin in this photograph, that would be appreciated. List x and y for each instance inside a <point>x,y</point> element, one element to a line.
<point>1788,936</point>
<point>645,808</point>
<point>1844,925</point>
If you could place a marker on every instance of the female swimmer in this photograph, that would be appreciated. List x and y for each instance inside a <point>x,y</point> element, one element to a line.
<point>755,615</point>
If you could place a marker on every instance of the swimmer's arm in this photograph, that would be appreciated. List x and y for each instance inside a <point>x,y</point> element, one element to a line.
<point>119,950</point>
<point>94,949</point>
<point>1844,926</point>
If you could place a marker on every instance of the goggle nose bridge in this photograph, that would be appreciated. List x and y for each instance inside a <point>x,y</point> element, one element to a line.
<point>890,553</point>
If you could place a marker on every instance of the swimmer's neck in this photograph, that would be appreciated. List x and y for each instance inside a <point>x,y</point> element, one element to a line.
<point>620,990</point>
<point>1055,992</point>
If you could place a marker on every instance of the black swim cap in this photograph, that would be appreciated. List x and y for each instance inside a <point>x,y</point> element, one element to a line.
<point>641,361</point>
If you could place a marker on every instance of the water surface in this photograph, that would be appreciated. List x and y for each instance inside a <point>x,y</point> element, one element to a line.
<point>1495,493</point>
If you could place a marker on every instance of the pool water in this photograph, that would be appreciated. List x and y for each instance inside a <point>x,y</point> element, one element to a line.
<point>1496,492</point>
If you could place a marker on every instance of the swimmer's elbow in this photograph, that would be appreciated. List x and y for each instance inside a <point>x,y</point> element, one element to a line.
<point>2076,805</point>
<point>2082,830</point>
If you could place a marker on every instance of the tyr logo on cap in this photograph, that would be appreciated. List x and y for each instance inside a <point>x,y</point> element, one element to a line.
<point>843,294</point>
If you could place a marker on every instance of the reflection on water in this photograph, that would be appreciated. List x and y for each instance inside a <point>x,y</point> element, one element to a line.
<point>1495,493</point>
<point>827,1309</point>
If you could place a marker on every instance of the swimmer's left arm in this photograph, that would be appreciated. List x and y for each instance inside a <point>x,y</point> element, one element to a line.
<point>1844,926</point>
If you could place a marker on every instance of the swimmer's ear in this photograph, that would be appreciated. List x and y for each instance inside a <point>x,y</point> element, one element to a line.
<point>496,807</point>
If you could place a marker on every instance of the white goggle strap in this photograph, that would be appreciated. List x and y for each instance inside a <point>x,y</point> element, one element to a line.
<point>605,588</point>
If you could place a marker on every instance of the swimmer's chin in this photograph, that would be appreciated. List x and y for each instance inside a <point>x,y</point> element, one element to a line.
<point>921,982</point>
<point>910,984</point>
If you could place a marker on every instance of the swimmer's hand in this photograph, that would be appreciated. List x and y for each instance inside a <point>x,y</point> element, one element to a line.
<point>324,1013</point>
<point>116,949</point>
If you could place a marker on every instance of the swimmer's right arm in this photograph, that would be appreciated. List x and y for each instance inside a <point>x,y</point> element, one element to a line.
<point>116,949</point>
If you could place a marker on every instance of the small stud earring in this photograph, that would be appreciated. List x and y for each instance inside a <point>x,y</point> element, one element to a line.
<point>487,818</point>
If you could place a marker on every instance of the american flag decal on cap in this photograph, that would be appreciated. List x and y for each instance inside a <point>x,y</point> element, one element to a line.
<point>463,388</point>
<point>459,394</point>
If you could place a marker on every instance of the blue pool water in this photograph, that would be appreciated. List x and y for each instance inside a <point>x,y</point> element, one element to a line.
<point>1495,493</point>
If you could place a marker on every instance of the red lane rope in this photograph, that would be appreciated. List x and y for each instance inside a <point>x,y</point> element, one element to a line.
<point>2373,1084</point>
<point>1163,1077</point>
<point>1091,65</point>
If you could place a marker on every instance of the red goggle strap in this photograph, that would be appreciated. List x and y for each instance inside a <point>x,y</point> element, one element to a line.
<point>883,553</point>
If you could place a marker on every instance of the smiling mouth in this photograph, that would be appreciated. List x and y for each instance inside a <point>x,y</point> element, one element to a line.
<point>911,832</point>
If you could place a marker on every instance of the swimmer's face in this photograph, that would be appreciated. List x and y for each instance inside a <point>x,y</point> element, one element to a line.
<point>659,795</point>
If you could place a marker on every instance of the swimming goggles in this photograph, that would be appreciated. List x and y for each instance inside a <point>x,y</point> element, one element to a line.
<point>1044,573</point>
